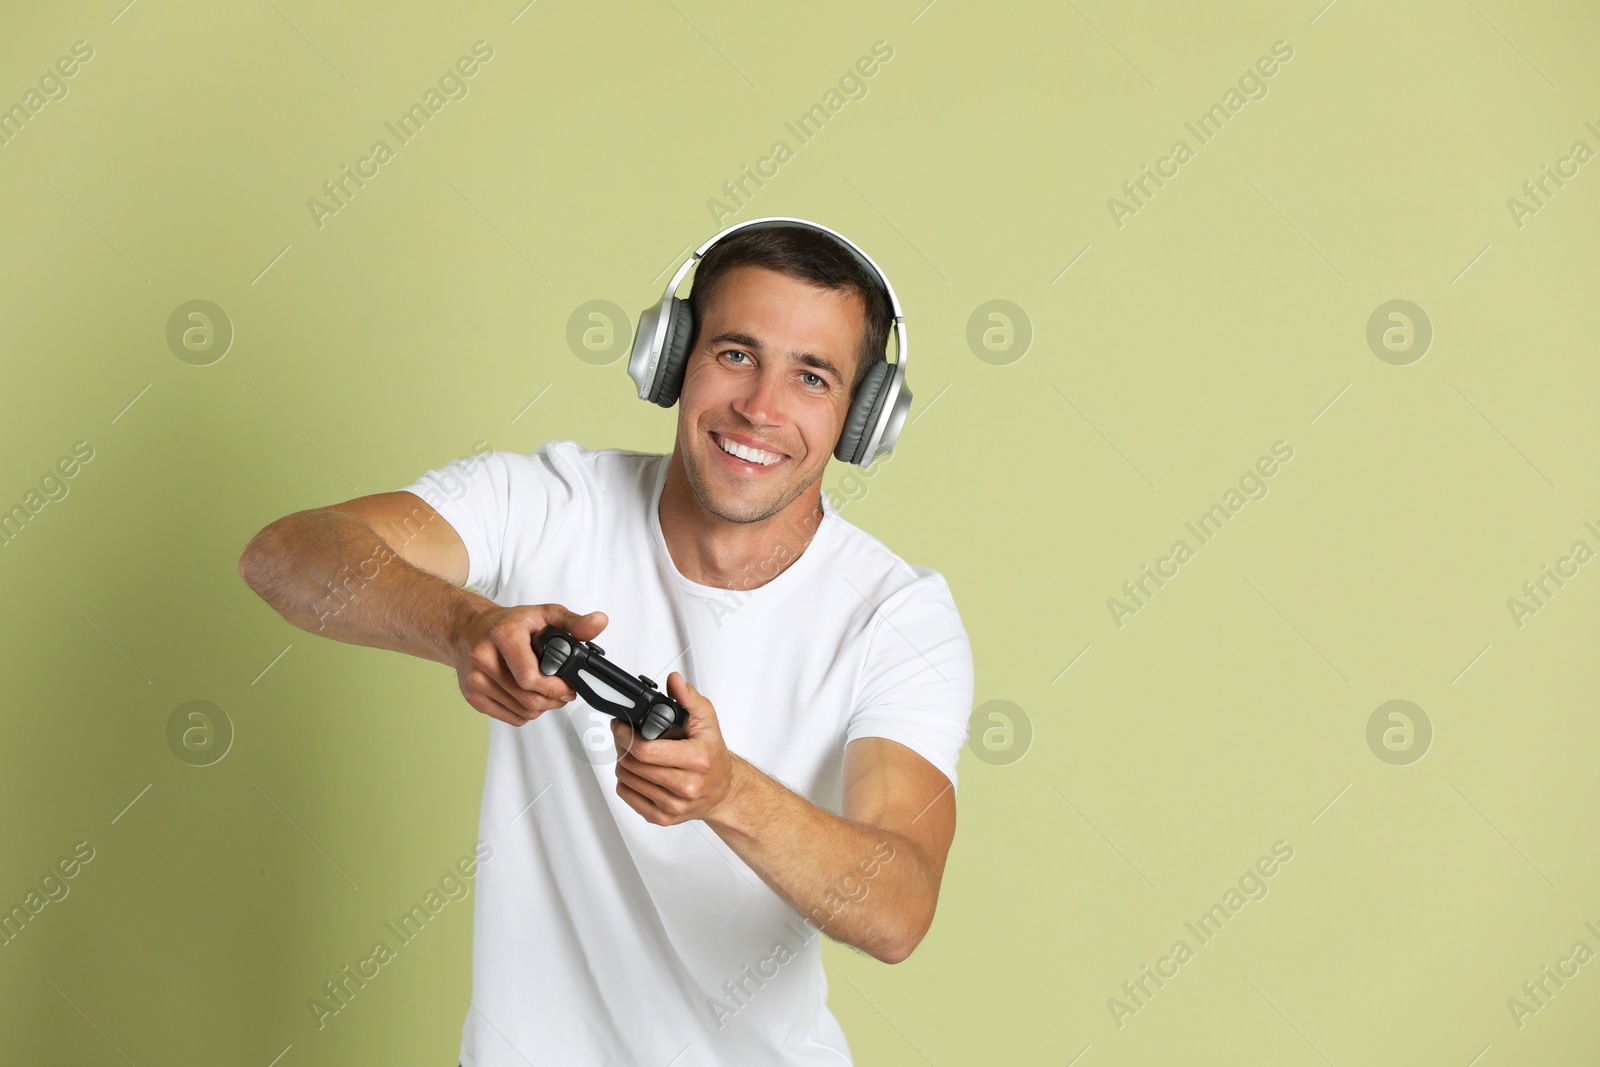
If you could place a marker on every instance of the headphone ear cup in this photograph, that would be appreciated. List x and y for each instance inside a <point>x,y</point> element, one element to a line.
<point>674,353</point>
<point>864,411</point>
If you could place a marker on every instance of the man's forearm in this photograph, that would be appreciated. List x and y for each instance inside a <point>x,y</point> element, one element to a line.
<point>329,573</point>
<point>859,884</point>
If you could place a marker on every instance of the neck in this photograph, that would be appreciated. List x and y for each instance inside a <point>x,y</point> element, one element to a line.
<point>714,551</point>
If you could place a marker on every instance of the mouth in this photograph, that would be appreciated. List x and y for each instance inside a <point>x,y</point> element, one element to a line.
<point>746,459</point>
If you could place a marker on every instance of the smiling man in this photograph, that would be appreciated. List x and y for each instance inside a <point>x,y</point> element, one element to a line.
<point>658,901</point>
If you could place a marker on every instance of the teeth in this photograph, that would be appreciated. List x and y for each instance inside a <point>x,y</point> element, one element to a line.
<point>753,455</point>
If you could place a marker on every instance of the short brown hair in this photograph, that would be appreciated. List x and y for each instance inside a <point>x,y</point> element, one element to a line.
<point>811,256</point>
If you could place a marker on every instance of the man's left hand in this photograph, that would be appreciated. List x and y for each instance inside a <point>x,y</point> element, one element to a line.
<point>673,781</point>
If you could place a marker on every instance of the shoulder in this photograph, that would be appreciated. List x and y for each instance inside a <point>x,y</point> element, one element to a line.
<point>611,464</point>
<point>570,462</point>
<point>887,583</point>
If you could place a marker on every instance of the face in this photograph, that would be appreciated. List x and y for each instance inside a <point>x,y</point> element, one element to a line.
<point>771,370</point>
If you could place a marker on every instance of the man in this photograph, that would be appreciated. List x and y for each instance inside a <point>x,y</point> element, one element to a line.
<point>657,902</point>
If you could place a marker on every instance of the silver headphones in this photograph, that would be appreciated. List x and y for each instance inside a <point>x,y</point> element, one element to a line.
<point>878,409</point>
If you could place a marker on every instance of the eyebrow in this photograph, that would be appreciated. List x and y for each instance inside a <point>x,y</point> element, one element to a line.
<point>744,340</point>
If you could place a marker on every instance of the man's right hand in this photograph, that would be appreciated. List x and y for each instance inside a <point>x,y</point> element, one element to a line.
<point>496,666</point>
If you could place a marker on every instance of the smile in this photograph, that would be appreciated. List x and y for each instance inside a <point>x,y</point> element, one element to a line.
<point>747,458</point>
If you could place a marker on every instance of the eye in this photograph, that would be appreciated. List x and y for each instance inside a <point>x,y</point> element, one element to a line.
<point>736,352</point>
<point>820,379</point>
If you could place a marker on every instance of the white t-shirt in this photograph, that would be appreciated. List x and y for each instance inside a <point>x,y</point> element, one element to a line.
<point>600,938</point>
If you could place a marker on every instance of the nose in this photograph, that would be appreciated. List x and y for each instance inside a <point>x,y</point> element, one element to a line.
<point>761,401</point>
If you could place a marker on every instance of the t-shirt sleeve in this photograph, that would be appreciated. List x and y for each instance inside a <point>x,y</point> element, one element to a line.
<point>917,681</point>
<point>503,505</point>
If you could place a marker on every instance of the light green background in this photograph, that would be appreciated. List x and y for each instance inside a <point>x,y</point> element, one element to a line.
<point>1228,314</point>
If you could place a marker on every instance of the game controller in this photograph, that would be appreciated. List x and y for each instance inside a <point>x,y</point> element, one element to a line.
<point>652,713</point>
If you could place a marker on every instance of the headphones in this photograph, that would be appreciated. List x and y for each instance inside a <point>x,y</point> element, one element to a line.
<point>878,409</point>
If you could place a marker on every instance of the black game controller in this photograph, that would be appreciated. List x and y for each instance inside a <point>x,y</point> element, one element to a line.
<point>652,713</point>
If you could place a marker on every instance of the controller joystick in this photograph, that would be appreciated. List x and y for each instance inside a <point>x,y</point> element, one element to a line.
<point>658,720</point>
<point>556,652</point>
